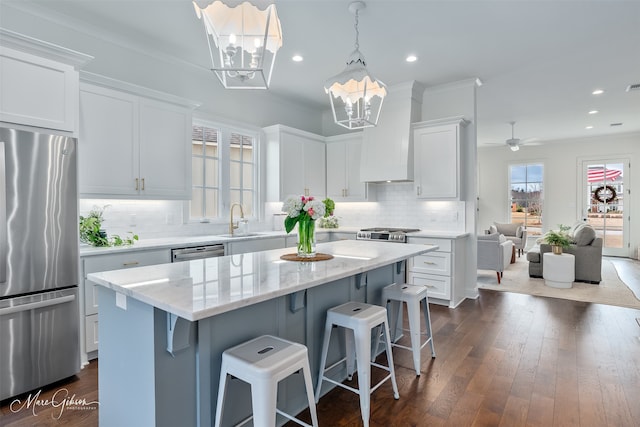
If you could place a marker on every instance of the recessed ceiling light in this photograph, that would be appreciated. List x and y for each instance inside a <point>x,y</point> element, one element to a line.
<point>588,127</point>
<point>297,58</point>
<point>411,58</point>
<point>597,92</point>
<point>593,112</point>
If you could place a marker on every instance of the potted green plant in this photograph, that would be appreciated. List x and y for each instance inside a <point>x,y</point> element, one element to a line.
<point>91,231</point>
<point>558,239</point>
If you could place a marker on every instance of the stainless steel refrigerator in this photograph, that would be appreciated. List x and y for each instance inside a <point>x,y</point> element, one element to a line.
<point>39,317</point>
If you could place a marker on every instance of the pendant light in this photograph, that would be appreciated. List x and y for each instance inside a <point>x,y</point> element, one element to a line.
<point>243,38</point>
<point>356,96</point>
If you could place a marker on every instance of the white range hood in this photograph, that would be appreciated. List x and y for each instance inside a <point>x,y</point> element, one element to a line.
<point>387,149</point>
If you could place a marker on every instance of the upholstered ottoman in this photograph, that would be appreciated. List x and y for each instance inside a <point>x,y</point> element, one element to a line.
<point>559,270</point>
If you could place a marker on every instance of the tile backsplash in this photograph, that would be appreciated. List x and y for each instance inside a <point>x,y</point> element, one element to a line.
<point>396,206</point>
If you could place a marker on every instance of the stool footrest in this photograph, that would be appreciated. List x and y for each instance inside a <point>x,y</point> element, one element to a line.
<point>290,418</point>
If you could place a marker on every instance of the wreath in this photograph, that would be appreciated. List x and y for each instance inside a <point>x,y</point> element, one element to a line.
<point>605,194</point>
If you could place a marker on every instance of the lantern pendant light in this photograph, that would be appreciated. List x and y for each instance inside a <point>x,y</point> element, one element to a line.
<point>356,96</point>
<point>243,38</point>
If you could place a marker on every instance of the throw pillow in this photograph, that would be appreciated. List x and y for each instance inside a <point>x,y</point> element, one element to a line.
<point>584,235</point>
<point>519,232</point>
<point>492,229</point>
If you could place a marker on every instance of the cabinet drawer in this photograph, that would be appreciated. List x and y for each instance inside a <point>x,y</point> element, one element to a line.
<point>432,263</point>
<point>91,333</point>
<point>126,260</point>
<point>438,286</point>
<point>444,245</point>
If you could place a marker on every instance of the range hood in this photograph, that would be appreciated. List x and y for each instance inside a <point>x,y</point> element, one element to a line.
<point>387,149</point>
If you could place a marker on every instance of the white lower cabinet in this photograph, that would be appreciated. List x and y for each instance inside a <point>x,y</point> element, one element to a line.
<point>96,263</point>
<point>441,271</point>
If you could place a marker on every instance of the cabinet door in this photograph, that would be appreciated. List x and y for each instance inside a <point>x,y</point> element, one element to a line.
<point>37,91</point>
<point>165,150</point>
<point>356,190</point>
<point>336,170</point>
<point>314,167</point>
<point>108,144</point>
<point>436,168</point>
<point>291,166</point>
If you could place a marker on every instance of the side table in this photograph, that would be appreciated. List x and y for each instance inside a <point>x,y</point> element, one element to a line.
<point>558,271</point>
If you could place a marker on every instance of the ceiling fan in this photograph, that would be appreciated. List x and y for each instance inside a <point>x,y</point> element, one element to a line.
<point>514,143</point>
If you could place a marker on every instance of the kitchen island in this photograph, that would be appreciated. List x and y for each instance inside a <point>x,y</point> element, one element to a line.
<point>163,328</point>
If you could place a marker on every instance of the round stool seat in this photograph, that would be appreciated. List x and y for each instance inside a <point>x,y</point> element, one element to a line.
<point>263,362</point>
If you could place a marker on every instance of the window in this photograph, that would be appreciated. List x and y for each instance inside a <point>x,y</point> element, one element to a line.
<point>223,171</point>
<point>242,172</point>
<point>205,163</point>
<point>526,186</point>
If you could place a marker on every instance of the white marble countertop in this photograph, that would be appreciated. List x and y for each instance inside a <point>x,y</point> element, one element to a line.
<point>186,241</point>
<point>202,288</point>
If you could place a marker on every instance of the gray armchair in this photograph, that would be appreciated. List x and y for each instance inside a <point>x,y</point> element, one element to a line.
<point>514,232</point>
<point>494,253</point>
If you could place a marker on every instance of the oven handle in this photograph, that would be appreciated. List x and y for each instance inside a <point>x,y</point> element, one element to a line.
<point>38,304</point>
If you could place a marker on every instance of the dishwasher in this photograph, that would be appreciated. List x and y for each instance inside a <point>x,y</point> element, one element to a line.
<point>197,252</point>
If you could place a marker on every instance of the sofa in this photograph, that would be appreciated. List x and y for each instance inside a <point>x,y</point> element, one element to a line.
<point>586,247</point>
<point>494,253</point>
<point>514,232</point>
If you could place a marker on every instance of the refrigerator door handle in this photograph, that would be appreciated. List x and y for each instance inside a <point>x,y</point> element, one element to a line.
<point>4,241</point>
<point>34,305</point>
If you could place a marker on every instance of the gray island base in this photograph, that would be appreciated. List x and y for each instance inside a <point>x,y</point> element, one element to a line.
<point>163,328</point>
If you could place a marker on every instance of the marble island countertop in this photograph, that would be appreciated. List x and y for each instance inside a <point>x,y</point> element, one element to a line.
<point>199,289</point>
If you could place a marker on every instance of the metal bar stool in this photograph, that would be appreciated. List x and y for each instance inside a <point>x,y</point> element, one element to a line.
<point>358,319</point>
<point>263,362</point>
<point>413,296</point>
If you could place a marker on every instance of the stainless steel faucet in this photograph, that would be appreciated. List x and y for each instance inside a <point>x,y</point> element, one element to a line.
<point>233,226</point>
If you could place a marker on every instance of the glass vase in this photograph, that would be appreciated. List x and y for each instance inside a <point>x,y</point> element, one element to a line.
<point>307,239</point>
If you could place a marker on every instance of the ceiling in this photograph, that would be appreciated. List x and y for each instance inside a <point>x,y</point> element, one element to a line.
<point>538,61</point>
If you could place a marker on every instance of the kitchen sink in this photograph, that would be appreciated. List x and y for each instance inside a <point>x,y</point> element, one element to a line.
<point>239,235</point>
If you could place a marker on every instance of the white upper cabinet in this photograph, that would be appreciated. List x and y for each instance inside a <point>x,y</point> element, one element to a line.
<point>108,142</point>
<point>133,146</point>
<point>437,159</point>
<point>38,83</point>
<point>295,163</point>
<point>165,163</point>
<point>343,169</point>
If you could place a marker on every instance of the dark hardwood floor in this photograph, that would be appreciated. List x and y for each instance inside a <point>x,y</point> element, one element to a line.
<point>502,360</point>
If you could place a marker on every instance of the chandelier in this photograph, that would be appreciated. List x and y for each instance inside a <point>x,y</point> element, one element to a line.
<point>356,97</point>
<point>243,39</point>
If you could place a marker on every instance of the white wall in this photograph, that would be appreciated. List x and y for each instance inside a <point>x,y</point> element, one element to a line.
<point>562,190</point>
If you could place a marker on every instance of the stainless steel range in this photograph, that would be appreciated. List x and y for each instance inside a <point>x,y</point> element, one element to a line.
<point>385,234</point>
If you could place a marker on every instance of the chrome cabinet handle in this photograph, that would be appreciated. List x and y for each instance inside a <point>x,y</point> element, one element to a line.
<point>136,184</point>
<point>142,184</point>
<point>130,263</point>
<point>430,263</point>
<point>418,190</point>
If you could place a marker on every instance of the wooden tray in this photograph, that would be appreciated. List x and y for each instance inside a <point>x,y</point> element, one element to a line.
<point>294,257</point>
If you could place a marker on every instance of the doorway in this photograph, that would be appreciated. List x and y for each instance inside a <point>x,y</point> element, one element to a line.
<point>606,199</point>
